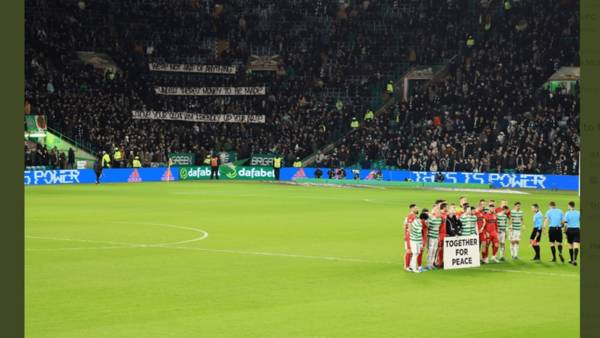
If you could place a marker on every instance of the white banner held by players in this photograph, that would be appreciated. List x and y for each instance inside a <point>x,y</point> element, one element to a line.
<point>461,252</point>
<point>193,117</point>
<point>210,91</point>
<point>188,68</point>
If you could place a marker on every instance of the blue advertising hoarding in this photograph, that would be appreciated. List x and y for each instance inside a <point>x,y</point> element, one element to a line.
<point>75,176</point>
<point>129,175</point>
<point>497,180</point>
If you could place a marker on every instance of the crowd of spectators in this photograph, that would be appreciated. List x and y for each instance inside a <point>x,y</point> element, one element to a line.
<point>38,155</point>
<point>491,113</point>
<point>335,61</point>
<point>327,48</point>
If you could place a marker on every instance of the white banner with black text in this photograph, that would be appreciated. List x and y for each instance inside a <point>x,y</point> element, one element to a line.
<point>193,117</point>
<point>461,252</point>
<point>211,91</point>
<point>190,68</point>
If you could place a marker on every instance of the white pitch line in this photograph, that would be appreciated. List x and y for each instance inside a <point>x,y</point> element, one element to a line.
<point>533,272</point>
<point>288,255</point>
<point>243,252</point>
<point>123,245</point>
<point>351,260</point>
<point>87,248</point>
<point>491,191</point>
<point>203,234</point>
<point>80,240</point>
<point>278,197</point>
<point>279,254</point>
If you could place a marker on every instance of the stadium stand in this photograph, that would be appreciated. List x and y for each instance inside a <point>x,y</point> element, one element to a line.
<point>490,114</point>
<point>331,62</point>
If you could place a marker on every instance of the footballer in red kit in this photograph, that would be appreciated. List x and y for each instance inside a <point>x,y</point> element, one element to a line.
<point>443,213</point>
<point>479,213</point>
<point>491,230</point>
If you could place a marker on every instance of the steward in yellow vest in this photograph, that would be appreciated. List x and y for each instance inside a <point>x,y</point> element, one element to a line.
<point>389,88</point>
<point>369,115</point>
<point>297,163</point>
<point>277,166</point>
<point>106,160</point>
<point>354,124</point>
<point>117,157</point>
<point>136,162</point>
<point>470,41</point>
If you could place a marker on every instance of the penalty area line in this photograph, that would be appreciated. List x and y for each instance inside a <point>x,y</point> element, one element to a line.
<point>350,260</point>
<point>122,245</point>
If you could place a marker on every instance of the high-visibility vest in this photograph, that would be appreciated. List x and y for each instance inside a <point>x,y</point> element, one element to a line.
<point>297,164</point>
<point>369,115</point>
<point>277,162</point>
<point>390,88</point>
<point>214,162</point>
<point>117,155</point>
<point>106,161</point>
<point>507,5</point>
<point>470,42</point>
<point>137,163</point>
<point>354,124</point>
<point>207,160</point>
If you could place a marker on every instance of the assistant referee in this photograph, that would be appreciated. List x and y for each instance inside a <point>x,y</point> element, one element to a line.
<point>554,219</point>
<point>572,224</point>
<point>536,232</point>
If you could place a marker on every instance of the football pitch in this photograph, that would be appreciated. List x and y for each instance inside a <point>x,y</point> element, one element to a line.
<point>231,259</point>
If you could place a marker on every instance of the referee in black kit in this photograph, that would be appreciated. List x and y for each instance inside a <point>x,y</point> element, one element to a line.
<point>572,225</point>
<point>554,223</point>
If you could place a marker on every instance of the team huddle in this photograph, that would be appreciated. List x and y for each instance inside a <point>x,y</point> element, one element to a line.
<point>494,225</point>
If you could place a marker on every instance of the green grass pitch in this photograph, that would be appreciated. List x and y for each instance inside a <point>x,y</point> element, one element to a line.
<point>229,259</point>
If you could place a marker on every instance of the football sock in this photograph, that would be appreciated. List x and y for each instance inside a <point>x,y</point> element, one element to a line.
<point>571,254</point>
<point>575,253</point>
<point>536,248</point>
<point>553,252</point>
<point>494,250</point>
<point>560,249</point>
<point>440,256</point>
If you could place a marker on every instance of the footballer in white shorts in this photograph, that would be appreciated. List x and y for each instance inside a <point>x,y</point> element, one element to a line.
<point>515,235</point>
